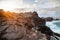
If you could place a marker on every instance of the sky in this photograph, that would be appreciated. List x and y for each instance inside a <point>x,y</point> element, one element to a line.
<point>10,4</point>
<point>44,8</point>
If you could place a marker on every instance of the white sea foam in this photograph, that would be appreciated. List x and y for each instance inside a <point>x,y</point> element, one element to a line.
<point>54,27</point>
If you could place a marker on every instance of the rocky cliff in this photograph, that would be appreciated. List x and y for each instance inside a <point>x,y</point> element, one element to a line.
<point>24,26</point>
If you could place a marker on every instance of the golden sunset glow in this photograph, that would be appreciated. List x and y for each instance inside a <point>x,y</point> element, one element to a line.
<point>9,15</point>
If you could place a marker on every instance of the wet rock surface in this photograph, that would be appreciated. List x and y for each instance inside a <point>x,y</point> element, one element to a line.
<point>23,26</point>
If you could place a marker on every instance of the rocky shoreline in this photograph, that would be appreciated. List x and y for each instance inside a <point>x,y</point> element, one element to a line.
<point>24,26</point>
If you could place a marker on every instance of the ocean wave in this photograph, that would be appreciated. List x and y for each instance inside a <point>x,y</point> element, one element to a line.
<point>54,26</point>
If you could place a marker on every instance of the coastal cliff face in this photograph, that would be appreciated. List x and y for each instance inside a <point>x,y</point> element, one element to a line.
<point>23,26</point>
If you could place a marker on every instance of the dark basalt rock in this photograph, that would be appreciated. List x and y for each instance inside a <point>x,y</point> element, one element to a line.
<point>47,31</point>
<point>48,18</point>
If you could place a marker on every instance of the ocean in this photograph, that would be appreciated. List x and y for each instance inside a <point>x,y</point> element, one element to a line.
<point>54,26</point>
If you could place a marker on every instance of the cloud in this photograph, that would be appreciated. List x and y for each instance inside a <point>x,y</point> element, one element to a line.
<point>44,7</point>
<point>48,8</point>
<point>36,0</point>
<point>48,3</point>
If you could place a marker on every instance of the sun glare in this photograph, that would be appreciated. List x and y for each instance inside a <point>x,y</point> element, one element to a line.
<point>11,5</point>
<point>8,5</point>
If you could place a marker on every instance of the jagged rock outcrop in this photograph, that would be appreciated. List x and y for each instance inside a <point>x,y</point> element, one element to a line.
<point>23,26</point>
